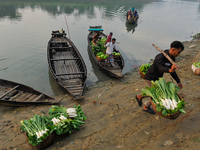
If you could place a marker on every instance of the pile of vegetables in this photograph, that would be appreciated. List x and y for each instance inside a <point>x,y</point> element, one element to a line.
<point>164,96</point>
<point>100,46</point>
<point>102,55</point>
<point>36,129</point>
<point>145,67</point>
<point>60,121</point>
<point>63,120</point>
<point>117,54</point>
<point>197,64</point>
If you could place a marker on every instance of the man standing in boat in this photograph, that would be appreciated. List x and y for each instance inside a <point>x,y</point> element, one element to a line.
<point>160,66</point>
<point>109,37</point>
<point>109,51</point>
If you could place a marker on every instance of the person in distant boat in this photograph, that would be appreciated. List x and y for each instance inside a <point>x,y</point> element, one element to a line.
<point>132,10</point>
<point>95,38</point>
<point>109,37</point>
<point>160,66</point>
<point>129,15</point>
<point>135,15</point>
<point>111,46</point>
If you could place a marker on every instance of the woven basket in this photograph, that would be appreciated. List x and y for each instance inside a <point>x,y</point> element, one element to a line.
<point>44,144</point>
<point>169,116</point>
<point>99,58</point>
<point>116,56</point>
<point>142,75</point>
<point>195,69</point>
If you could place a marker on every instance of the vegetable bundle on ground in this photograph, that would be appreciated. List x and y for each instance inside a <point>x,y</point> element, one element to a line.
<point>164,96</point>
<point>145,67</point>
<point>61,120</point>
<point>36,129</point>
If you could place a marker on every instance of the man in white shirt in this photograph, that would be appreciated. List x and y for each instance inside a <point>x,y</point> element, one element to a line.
<point>109,51</point>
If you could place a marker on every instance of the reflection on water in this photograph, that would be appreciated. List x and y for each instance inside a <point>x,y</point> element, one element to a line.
<point>26,25</point>
<point>131,27</point>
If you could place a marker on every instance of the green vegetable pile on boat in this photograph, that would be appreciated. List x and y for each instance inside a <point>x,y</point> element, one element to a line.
<point>197,64</point>
<point>100,46</point>
<point>164,96</point>
<point>102,55</point>
<point>145,67</point>
<point>117,54</point>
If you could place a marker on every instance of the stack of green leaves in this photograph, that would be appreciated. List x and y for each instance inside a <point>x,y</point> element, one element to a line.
<point>164,96</point>
<point>63,120</point>
<point>197,64</point>
<point>102,55</point>
<point>117,54</point>
<point>36,129</point>
<point>145,67</point>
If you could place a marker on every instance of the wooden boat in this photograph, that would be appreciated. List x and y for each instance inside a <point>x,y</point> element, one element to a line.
<point>131,20</point>
<point>66,64</point>
<point>115,71</point>
<point>16,94</point>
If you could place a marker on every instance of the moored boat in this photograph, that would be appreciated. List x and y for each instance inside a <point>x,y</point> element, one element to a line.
<point>66,64</point>
<point>115,71</point>
<point>16,94</point>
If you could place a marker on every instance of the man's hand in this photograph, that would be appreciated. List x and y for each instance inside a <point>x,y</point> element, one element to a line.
<point>180,85</point>
<point>173,68</point>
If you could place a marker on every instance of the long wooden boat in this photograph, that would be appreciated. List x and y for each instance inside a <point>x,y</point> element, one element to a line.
<point>16,94</point>
<point>115,71</point>
<point>66,64</point>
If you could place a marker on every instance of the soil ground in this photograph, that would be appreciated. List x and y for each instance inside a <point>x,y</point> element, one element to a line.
<point>114,119</point>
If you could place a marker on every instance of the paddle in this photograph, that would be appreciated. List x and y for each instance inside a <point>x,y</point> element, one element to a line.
<point>164,54</point>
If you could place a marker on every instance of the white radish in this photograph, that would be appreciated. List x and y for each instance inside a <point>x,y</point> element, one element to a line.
<point>167,104</point>
<point>174,103</point>
<point>171,104</point>
<point>164,104</point>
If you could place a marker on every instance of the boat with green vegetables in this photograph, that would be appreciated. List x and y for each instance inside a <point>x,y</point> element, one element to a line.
<point>98,54</point>
<point>164,98</point>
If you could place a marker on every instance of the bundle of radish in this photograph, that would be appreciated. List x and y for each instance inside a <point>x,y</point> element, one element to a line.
<point>65,120</point>
<point>164,96</point>
<point>36,129</point>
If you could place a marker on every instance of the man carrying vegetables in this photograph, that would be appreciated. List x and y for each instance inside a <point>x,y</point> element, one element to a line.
<point>109,51</point>
<point>160,66</point>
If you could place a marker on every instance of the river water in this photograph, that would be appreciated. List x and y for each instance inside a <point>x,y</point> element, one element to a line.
<point>26,25</point>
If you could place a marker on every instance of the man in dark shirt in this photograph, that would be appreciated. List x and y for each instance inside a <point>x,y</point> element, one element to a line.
<point>160,66</point>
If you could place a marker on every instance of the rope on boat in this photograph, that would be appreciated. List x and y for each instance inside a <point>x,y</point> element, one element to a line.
<point>93,101</point>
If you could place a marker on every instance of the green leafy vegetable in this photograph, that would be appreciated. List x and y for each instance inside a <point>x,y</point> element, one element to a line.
<point>145,67</point>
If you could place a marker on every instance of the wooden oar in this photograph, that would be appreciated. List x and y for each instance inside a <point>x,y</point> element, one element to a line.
<point>167,56</point>
<point>68,30</point>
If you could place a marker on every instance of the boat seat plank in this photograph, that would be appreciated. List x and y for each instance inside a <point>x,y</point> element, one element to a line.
<point>73,73</point>
<point>9,91</point>
<point>19,98</point>
<point>64,59</point>
<point>58,33</point>
<point>16,96</point>
<point>38,98</point>
<point>62,48</point>
<point>32,97</point>
<point>26,97</point>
